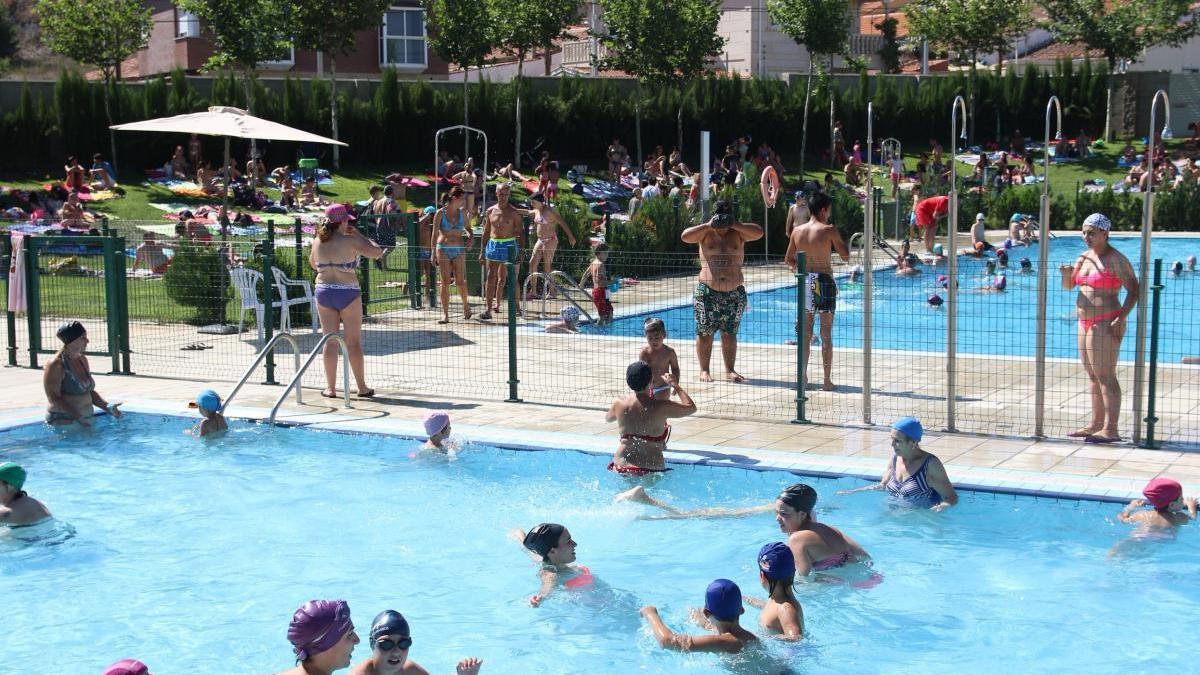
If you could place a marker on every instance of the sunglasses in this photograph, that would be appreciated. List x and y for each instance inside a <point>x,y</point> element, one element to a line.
<point>387,645</point>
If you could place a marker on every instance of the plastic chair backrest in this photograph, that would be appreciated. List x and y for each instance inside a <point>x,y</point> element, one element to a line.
<point>246,281</point>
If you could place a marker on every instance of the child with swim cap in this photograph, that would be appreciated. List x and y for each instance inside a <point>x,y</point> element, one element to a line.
<point>781,613</point>
<point>568,323</point>
<point>1171,508</point>
<point>322,637</point>
<point>551,545</point>
<point>437,428</point>
<point>662,359</point>
<point>208,402</point>
<point>722,607</point>
<point>390,642</point>
<point>17,508</point>
<point>128,667</point>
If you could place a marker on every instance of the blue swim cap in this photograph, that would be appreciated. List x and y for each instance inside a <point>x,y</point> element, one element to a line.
<point>209,400</point>
<point>909,426</point>
<point>776,561</point>
<point>429,210</point>
<point>723,600</point>
<point>1016,218</point>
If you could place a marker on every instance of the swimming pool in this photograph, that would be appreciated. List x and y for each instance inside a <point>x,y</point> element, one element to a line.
<point>192,557</point>
<point>988,323</point>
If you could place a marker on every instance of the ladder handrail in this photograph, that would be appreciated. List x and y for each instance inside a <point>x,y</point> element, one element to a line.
<point>270,346</point>
<point>300,370</point>
<point>549,280</point>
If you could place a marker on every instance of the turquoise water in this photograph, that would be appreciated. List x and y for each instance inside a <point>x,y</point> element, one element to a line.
<point>988,323</point>
<point>192,556</point>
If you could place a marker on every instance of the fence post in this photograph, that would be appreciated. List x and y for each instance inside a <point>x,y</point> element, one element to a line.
<point>366,271</point>
<point>414,261</point>
<point>122,317</point>
<point>104,226</point>
<point>298,233</point>
<point>510,288</point>
<point>801,340</point>
<point>1043,282</point>
<point>268,262</point>
<point>868,283</point>
<point>33,300</point>
<point>111,311</point>
<point>10,317</point>
<point>1151,420</point>
<point>951,307</point>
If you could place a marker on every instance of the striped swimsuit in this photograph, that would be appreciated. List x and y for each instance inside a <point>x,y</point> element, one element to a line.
<point>915,489</point>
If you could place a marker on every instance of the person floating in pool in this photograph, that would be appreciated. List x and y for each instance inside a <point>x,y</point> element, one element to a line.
<point>209,405</point>
<point>662,359</point>
<point>322,637</point>
<point>17,508</point>
<point>818,240</point>
<point>551,545</point>
<point>437,430</point>
<point>70,388</point>
<point>816,546</point>
<point>782,615</point>
<point>128,667</point>
<point>906,262</point>
<point>939,255</point>
<point>568,321</point>
<point>913,476</point>
<point>390,642</point>
<point>642,420</point>
<point>722,609</point>
<point>1170,507</point>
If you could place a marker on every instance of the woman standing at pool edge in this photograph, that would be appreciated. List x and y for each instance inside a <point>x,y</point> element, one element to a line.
<point>1100,273</point>
<point>334,256</point>
<point>70,388</point>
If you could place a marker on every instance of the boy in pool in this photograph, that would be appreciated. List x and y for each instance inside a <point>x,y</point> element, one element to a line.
<point>390,641</point>
<point>209,405</point>
<point>437,428</point>
<point>1170,507</point>
<point>551,545</point>
<point>781,613</point>
<point>569,321</point>
<point>600,284</point>
<point>722,607</point>
<point>17,508</point>
<point>662,359</point>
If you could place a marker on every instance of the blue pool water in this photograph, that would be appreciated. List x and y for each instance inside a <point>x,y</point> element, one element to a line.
<point>988,323</point>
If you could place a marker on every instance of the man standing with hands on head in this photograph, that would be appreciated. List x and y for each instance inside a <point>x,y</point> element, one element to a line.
<point>817,239</point>
<point>720,297</point>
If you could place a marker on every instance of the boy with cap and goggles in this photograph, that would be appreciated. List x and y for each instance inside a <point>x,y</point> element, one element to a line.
<point>209,405</point>
<point>722,607</point>
<point>1170,506</point>
<point>551,545</point>
<point>18,509</point>
<point>390,641</point>
<point>781,613</point>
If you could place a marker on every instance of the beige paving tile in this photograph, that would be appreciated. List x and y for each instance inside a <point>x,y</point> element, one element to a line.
<point>1126,469</point>
<point>1082,466</point>
<point>1028,462</point>
<point>1110,452</point>
<point>982,458</point>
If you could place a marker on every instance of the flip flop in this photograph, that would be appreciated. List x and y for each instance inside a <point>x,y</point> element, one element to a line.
<point>365,394</point>
<point>195,347</point>
<point>329,393</point>
<point>1100,439</point>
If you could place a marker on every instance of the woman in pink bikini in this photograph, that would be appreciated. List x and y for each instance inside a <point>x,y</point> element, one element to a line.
<point>817,546</point>
<point>1100,273</point>
<point>547,221</point>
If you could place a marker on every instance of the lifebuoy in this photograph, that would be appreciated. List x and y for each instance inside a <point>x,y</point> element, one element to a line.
<point>770,186</point>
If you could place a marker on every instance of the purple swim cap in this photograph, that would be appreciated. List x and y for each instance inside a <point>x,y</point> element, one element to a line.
<point>1000,283</point>
<point>317,626</point>
<point>127,667</point>
<point>935,300</point>
<point>942,278</point>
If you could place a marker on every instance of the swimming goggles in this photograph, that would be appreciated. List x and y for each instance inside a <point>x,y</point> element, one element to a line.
<point>387,645</point>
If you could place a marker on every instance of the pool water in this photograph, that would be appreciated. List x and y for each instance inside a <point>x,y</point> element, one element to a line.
<point>988,323</point>
<point>192,556</point>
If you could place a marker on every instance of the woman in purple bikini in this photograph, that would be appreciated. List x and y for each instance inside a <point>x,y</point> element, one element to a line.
<point>817,546</point>
<point>334,256</point>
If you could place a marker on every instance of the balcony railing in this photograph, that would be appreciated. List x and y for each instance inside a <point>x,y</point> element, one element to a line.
<point>862,45</point>
<point>578,52</point>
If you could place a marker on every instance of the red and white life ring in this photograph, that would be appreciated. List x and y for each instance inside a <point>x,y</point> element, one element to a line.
<point>770,186</point>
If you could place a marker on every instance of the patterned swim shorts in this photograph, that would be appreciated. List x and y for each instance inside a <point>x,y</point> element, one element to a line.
<point>718,310</point>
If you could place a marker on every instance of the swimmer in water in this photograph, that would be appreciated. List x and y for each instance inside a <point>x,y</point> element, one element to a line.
<point>1026,266</point>
<point>1171,509</point>
<point>640,496</point>
<point>568,323</point>
<point>939,255</point>
<point>642,419</point>
<point>906,261</point>
<point>782,614</point>
<point>128,667</point>
<point>390,642</point>
<point>551,545</point>
<point>816,546</point>
<point>722,607</point>
<point>322,637</point>
<point>437,428</point>
<point>209,405</point>
<point>17,508</point>
<point>1191,263</point>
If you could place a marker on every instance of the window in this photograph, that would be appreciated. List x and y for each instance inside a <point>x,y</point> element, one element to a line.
<point>187,25</point>
<point>402,37</point>
<point>287,61</point>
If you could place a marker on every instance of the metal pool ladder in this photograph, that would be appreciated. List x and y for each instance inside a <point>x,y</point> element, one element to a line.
<point>563,288</point>
<point>270,346</point>
<point>300,370</point>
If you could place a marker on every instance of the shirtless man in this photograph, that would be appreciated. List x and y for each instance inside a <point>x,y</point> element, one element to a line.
<point>150,254</point>
<point>18,509</point>
<point>642,420</point>
<point>71,214</point>
<point>503,239</point>
<point>817,238</point>
<point>798,213</point>
<point>617,155</point>
<point>720,297</point>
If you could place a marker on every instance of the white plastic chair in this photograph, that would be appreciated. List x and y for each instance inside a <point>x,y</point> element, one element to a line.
<point>246,281</point>
<point>282,283</point>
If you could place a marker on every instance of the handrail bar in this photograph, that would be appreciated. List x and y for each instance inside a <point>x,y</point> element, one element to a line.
<point>282,335</point>
<point>295,381</point>
<point>548,279</point>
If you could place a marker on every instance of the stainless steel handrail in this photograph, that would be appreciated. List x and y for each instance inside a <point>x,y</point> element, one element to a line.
<point>549,281</point>
<point>283,335</point>
<point>300,370</point>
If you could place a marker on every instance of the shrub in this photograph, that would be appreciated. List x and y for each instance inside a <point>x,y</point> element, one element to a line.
<point>195,279</point>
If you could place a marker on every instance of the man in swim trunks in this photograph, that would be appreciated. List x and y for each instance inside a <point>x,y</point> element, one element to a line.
<point>720,297</point>
<point>425,239</point>
<point>18,509</point>
<point>816,239</point>
<point>642,420</point>
<point>503,239</point>
<point>798,213</point>
<point>928,211</point>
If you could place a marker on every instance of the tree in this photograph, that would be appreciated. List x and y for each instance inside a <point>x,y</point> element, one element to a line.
<point>460,33</point>
<point>662,43</point>
<point>102,33</point>
<point>889,53</point>
<point>823,27</point>
<point>328,27</point>
<point>1120,29</point>
<point>522,26</point>
<point>972,28</point>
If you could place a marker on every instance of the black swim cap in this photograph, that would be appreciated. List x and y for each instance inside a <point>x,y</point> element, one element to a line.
<point>389,622</point>
<point>638,375</point>
<point>70,332</point>
<point>800,497</point>
<point>543,538</point>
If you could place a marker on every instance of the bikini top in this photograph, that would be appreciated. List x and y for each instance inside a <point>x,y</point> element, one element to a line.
<point>1100,280</point>
<point>661,438</point>
<point>915,489</point>
<point>346,266</point>
<point>74,385</point>
<point>447,226</point>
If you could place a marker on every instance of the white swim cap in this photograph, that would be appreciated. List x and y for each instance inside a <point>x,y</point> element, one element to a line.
<point>569,314</point>
<point>1098,221</point>
<point>978,216</point>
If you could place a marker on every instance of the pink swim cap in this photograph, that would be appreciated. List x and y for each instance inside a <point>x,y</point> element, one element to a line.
<point>1162,491</point>
<point>128,667</point>
<point>436,423</point>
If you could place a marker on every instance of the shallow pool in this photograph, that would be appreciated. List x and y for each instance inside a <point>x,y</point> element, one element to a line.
<point>192,556</point>
<point>988,323</point>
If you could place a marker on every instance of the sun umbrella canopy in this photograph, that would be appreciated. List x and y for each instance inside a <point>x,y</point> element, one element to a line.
<point>228,122</point>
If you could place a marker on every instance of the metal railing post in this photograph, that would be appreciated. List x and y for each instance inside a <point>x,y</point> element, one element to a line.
<point>111,313</point>
<point>122,306</point>
<point>801,340</point>
<point>1151,419</point>
<point>1043,280</point>
<point>33,300</point>
<point>874,195</point>
<point>10,317</point>
<point>510,288</point>
<point>269,297</point>
<point>1139,362</point>
<point>952,262</point>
